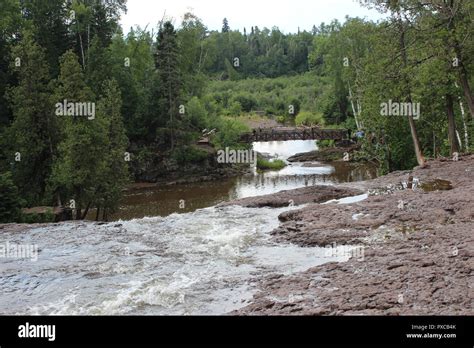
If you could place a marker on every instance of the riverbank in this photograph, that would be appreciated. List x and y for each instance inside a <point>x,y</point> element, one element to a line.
<point>418,248</point>
<point>326,154</point>
<point>175,178</point>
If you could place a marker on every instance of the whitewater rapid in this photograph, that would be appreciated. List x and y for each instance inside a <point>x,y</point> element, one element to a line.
<point>205,262</point>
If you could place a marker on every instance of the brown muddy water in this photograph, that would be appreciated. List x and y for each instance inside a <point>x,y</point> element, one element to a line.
<point>165,200</point>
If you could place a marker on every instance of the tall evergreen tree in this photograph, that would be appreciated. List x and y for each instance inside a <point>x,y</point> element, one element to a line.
<point>34,131</point>
<point>113,179</point>
<point>169,79</point>
<point>82,153</point>
<point>10,24</point>
<point>49,21</point>
<point>225,26</point>
<point>99,66</point>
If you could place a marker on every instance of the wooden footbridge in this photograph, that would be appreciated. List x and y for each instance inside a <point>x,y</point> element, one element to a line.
<point>298,133</point>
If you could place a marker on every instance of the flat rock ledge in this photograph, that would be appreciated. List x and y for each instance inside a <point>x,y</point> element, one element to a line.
<point>312,194</point>
<point>418,258</point>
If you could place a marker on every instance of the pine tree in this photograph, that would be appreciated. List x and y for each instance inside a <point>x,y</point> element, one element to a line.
<point>98,66</point>
<point>10,22</point>
<point>115,176</point>
<point>34,131</point>
<point>169,80</point>
<point>49,22</point>
<point>225,26</point>
<point>83,151</point>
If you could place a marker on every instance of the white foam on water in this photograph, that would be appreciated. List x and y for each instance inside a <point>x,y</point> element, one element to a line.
<point>205,262</point>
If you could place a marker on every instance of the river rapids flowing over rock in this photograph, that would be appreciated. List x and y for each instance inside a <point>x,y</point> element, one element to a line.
<point>205,262</point>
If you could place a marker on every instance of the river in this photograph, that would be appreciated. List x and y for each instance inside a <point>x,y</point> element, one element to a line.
<point>184,198</point>
<point>160,260</point>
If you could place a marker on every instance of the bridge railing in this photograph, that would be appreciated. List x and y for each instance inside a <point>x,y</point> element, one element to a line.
<point>279,134</point>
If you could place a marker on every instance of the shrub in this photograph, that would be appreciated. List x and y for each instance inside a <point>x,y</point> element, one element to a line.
<point>309,119</point>
<point>228,134</point>
<point>196,113</point>
<point>325,143</point>
<point>235,109</point>
<point>264,164</point>
<point>189,154</point>
<point>10,202</point>
<point>247,101</point>
<point>35,218</point>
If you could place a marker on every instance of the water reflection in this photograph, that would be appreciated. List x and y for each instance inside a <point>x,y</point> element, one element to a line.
<point>165,200</point>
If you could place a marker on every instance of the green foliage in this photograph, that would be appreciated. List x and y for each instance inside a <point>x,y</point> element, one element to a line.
<point>115,175</point>
<point>325,143</point>
<point>10,204</point>
<point>135,77</point>
<point>168,83</point>
<point>229,132</point>
<point>98,66</point>
<point>235,108</point>
<point>34,132</point>
<point>307,118</point>
<point>247,101</point>
<point>225,26</point>
<point>196,114</point>
<point>35,218</point>
<point>281,119</point>
<point>191,51</point>
<point>263,164</point>
<point>296,104</point>
<point>189,154</point>
<point>230,72</point>
<point>81,159</point>
<point>274,96</point>
<point>50,30</point>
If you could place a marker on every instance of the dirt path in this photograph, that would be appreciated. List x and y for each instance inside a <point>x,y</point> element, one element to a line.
<point>415,249</point>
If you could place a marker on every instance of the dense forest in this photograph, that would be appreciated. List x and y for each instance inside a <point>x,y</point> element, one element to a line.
<point>149,94</point>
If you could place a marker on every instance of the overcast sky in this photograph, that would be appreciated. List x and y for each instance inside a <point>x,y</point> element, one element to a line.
<point>287,15</point>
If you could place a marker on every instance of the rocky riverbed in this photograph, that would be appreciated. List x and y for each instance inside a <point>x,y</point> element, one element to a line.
<point>407,236</point>
<point>310,194</point>
<point>416,231</point>
<point>324,154</point>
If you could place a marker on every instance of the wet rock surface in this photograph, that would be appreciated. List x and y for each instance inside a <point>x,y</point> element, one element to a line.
<point>324,154</point>
<point>418,248</point>
<point>311,194</point>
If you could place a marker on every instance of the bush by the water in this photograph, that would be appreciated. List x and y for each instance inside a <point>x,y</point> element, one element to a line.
<point>325,143</point>
<point>34,218</point>
<point>229,132</point>
<point>10,202</point>
<point>264,164</point>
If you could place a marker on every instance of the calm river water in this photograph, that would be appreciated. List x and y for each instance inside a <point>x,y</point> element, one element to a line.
<point>189,197</point>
